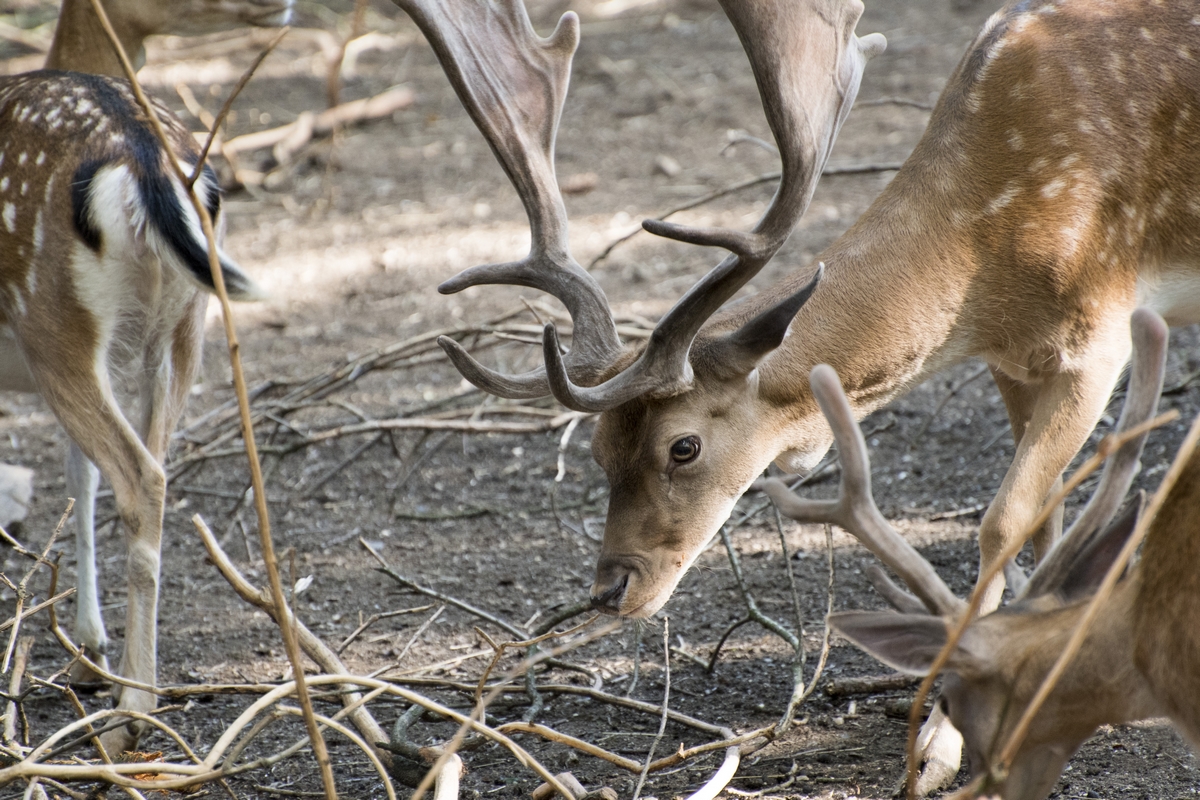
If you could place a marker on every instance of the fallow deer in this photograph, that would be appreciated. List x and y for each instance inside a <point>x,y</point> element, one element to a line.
<point>1052,193</point>
<point>1139,659</point>
<point>103,284</point>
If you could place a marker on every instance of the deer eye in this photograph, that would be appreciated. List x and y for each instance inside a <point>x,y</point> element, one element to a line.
<point>685,449</point>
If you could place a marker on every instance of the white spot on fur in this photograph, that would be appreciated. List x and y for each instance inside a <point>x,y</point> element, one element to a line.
<point>41,158</point>
<point>39,231</point>
<point>1015,140</point>
<point>10,217</point>
<point>21,159</point>
<point>4,184</point>
<point>1004,198</point>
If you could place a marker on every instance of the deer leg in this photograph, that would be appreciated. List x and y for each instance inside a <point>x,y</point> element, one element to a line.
<point>1064,412</point>
<point>82,399</point>
<point>1019,400</point>
<point>83,479</point>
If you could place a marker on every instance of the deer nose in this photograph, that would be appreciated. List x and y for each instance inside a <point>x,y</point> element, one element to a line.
<point>609,601</point>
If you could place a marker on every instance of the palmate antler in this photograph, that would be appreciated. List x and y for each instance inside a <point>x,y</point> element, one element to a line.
<point>513,84</point>
<point>808,64</point>
<point>855,511</point>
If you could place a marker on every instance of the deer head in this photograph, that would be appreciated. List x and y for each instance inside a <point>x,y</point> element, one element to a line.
<point>1000,661</point>
<point>80,44</point>
<point>677,458</point>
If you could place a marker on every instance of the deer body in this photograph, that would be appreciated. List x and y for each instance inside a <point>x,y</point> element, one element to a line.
<point>104,278</point>
<point>1052,193</point>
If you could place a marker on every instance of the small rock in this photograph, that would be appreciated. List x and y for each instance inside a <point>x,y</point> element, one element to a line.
<point>667,165</point>
<point>16,490</point>
<point>579,183</point>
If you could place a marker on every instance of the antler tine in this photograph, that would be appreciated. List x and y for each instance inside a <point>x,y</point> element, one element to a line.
<point>1149,333</point>
<point>896,597</point>
<point>855,509</point>
<point>808,64</point>
<point>513,84</point>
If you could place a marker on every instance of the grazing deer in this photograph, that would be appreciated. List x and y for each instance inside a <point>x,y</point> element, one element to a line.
<point>104,278</point>
<point>1138,661</point>
<point>1051,194</point>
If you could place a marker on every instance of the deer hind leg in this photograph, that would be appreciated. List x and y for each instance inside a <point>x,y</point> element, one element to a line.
<point>77,387</point>
<point>1020,400</point>
<point>83,479</point>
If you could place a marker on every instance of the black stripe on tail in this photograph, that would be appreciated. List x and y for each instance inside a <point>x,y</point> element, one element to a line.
<point>142,152</point>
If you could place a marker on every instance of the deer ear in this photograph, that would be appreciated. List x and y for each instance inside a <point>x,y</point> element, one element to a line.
<point>740,351</point>
<point>1088,569</point>
<point>906,642</point>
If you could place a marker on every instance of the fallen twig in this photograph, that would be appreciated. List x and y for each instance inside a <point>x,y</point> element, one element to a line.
<point>381,105</point>
<point>386,569</point>
<point>662,722</point>
<point>317,650</point>
<point>371,620</point>
<point>869,684</point>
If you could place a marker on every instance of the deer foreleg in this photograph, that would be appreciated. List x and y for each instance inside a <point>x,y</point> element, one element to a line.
<point>1065,408</point>
<point>1020,400</point>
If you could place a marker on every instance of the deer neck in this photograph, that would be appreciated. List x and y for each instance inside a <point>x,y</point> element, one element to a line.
<point>81,45</point>
<point>886,315</point>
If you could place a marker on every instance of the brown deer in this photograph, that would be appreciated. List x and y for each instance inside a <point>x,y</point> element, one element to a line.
<point>1051,194</point>
<point>1045,199</point>
<point>104,279</point>
<point>1138,661</point>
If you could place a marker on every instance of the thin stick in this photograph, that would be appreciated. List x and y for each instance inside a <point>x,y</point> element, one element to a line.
<point>371,620</point>
<point>1109,445</point>
<point>800,693</point>
<point>14,690</point>
<point>29,612</point>
<point>800,656</point>
<point>1092,610</point>
<point>417,635</point>
<point>22,590</point>
<point>224,112</point>
<point>386,569</point>
<point>662,723</point>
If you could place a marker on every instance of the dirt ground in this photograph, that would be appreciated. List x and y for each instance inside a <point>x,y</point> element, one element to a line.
<point>352,238</point>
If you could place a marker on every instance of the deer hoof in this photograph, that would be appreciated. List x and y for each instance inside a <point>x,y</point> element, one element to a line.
<point>84,678</point>
<point>940,745</point>
<point>122,739</point>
